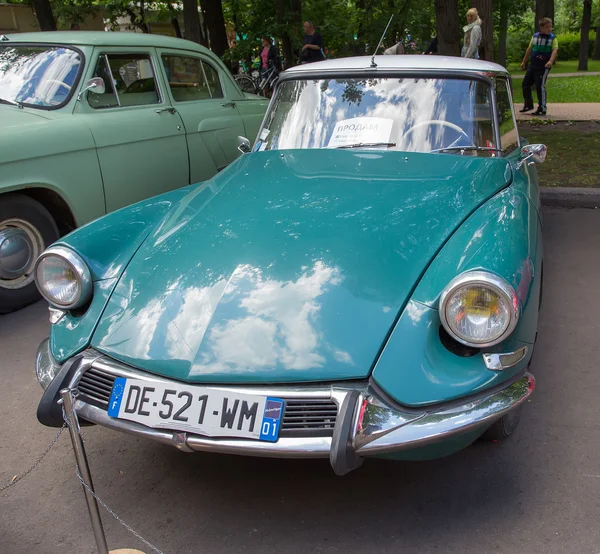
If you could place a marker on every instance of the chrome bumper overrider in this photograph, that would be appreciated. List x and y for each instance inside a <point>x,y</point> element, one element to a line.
<point>370,424</point>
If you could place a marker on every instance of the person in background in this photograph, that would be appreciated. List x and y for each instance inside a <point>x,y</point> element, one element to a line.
<point>75,27</point>
<point>269,56</point>
<point>543,49</point>
<point>433,46</point>
<point>472,38</point>
<point>312,45</point>
<point>395,50</point>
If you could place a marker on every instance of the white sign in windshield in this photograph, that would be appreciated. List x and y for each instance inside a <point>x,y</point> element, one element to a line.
<point>361,130</point>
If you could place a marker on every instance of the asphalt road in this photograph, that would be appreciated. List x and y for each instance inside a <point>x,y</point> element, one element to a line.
<point>537,492</point>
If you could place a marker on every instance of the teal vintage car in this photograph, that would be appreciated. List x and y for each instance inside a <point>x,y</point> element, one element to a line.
<point>364,282</point>
<point>91,122</point>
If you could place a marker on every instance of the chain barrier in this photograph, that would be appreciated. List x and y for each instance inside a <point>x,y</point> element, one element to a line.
<point>17,478</point>
<point>95,495</point>
<point>112,513</point>
<point>21,476</point>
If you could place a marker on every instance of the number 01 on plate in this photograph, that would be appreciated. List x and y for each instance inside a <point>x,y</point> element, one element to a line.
<point>200,410</point>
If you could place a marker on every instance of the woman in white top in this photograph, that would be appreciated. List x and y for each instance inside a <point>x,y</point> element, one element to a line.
<point>472,32</point>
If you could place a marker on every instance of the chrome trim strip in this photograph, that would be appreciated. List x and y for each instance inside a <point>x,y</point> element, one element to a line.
<point>499,361</point>
<point>433,427</point>
<point>298,447</point>
<point>378,427</point>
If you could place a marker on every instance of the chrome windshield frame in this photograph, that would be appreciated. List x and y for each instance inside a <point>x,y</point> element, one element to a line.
<point>487,78</point>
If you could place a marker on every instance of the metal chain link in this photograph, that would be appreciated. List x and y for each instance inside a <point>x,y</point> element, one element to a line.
<point>107,508</point>
<point>17,478</point>
<point>100,501</point>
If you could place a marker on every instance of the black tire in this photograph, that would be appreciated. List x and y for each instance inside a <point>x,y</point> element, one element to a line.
<point>504,427</point>
<point>246,83</point>
<point>39,221</point>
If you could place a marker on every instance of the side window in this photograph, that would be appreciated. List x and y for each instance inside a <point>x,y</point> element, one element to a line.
<point>191,78</point>
<point>509,139</point>
<point>129,80</point>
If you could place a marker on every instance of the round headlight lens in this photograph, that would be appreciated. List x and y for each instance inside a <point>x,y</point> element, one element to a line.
<point>63,278</point>
<point>479,309</point>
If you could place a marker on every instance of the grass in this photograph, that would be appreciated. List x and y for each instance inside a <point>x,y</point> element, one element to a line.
<point>572,159</point>
<point>569,66</point>
<point>566,89</point>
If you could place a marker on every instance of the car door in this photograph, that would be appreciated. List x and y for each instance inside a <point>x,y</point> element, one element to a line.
<point>198,89</point>
<point>139,136</point>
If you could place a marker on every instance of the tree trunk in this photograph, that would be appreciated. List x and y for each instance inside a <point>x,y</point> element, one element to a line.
<point>212,10</point>
<point>282,7</point>
<point>596,55</point>
<point>44,14</point>
<point>503,32</point>
<point>486,49</point>
<point>191,22</point>
<point>543,8</point>
<point>447,26</point>
<point>297,32</point>
<point>584,38</point>
<point>176,26</point>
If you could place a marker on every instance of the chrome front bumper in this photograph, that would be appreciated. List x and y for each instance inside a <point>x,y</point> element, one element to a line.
<point>367,423</point>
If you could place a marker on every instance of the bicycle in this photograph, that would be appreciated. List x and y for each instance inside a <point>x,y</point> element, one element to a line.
<point>263,84</point>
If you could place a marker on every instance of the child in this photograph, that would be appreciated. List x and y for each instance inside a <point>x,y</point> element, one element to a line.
<point>543,49</point>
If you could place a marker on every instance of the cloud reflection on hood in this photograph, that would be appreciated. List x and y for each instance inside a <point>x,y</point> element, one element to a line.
<point>277,327</point>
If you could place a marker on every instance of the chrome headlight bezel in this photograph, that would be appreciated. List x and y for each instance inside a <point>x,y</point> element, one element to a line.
<point>487,280</point>
<point>80,270</point>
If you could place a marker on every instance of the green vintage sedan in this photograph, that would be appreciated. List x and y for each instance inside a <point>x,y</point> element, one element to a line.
<point>91,122</point>
<point>364,282</point>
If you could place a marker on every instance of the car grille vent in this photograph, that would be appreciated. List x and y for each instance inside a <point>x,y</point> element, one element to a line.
<point>307,417</point>
<point>95,387</point>
<point>303,417</point>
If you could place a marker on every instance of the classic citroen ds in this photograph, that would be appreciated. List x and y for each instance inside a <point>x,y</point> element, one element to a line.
<point>363,282</point>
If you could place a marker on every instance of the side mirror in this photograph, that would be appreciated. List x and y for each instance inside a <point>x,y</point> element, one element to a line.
<point>244,145</point>
<point>535,152</point>
<point>95,85</point>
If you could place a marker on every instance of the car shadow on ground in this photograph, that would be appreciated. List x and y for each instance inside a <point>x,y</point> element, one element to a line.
<point>256,499</point>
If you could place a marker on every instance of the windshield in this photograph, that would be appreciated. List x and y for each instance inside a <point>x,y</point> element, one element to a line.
<point>410,114</point>
<point>38,75</point>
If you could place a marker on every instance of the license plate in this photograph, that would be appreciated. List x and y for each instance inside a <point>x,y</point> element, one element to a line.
<point>209,412</point>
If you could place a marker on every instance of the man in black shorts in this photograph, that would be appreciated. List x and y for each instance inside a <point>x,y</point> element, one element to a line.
<point>312,45</point>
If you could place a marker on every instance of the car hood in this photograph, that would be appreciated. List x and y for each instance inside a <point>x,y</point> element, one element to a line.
<point>13,116</point>
<point>290,266</point>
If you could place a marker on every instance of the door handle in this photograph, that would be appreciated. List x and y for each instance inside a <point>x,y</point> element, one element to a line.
<point>172,111</point>
<point>228,105</point>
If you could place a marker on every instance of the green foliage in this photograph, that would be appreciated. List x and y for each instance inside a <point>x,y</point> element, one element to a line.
<point>566,89</point>
<point>336,21</point>
<point>569,66</point>
<point>569,163</point>
<point>568,45</point>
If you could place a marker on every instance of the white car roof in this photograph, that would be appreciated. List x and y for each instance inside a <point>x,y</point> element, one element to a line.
<point>400,63</point>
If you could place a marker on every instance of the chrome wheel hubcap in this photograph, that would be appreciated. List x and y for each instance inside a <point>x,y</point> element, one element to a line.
<point>20,245</point>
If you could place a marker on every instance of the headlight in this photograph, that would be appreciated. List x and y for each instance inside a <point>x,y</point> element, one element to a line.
<point>63,278</point>
<point>479,309</point>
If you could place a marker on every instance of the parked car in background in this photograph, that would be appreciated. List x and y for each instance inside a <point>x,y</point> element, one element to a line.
<point>364,283</point>
<point>91,122</point>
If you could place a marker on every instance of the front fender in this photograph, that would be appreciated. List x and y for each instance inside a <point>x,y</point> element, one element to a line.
<point>504,237</point>
<point>107,246</point>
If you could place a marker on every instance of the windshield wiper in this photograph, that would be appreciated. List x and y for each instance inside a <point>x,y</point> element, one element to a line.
<point>367,144</point>
<point>13,102</point>
<point>471,147</point>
